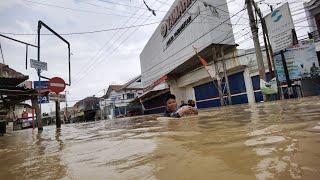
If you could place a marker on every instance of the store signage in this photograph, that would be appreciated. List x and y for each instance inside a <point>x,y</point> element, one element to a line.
<point>176,13</point>
<point>280,24</point>
<point>179,30</point>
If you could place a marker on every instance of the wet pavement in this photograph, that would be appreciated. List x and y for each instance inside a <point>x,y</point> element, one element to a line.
<point>277,140</point>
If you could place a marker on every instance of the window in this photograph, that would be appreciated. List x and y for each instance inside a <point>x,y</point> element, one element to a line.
<point>130,95</point>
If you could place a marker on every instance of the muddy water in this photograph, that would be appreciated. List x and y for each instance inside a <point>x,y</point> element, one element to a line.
<point>263,141</point>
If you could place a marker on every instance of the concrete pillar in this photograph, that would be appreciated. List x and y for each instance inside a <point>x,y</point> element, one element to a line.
<point>190,93</point>
<point>180,93</point>
<point>249,86</point>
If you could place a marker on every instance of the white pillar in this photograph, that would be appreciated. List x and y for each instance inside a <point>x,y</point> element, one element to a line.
<point>249,87</point>
<point>178,92</point>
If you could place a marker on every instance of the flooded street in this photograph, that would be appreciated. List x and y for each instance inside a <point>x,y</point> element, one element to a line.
<point>262,141</point>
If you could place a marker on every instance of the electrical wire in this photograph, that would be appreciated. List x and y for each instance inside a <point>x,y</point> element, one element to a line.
<point>1,53</point>
<point>87,69</point>
<point>84,32</point>
<point>74,9</point>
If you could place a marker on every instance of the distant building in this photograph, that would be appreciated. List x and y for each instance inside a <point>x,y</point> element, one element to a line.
<point>116,101</point>
<point>312,9</point>
<point>86,109</point>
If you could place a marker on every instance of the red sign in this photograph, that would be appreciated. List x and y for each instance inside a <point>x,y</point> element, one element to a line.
<point>56,85</point>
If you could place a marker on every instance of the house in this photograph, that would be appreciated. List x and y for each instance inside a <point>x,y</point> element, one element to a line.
<point>116,101</point>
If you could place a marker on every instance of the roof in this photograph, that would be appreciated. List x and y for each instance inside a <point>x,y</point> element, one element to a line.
<point>87,100</point>
<point>112,88</point>
<point>10,77</point>
<point>123,87</point>
<point>131,81</point>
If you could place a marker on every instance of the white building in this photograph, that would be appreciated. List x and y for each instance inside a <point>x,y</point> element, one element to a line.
<point>117,98</point>
<point>169,58</point>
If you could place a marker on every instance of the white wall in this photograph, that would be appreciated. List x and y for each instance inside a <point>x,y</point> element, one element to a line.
<point>157,60</point>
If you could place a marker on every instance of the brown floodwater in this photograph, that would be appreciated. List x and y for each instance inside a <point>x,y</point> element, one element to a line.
<point>277,140</point>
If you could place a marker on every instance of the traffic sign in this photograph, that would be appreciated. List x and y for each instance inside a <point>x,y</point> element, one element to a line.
<point>43,99</point>
<point>38,65</point>
<point>57,97</point>
<point>40,84</point>
<point>56,85</point>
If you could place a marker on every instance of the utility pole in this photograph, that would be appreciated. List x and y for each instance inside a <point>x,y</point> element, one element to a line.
<point>265,37</point>
<point>217,75</point>
<point>254,30</point>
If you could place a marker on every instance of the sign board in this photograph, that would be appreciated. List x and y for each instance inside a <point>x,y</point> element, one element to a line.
<point>301,61</point>
<point>38,65</point>
<point>26,84</point>
<point>57,97</point>
<point>40,84</point>
<point>280,24</point>
<point>43,99</point>
<point>56,85</point>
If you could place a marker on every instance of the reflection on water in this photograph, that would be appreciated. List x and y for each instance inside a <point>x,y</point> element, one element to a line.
<point>263,141</point>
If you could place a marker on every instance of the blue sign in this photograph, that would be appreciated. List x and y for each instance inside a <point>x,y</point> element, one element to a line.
<point>43,99</point>
<point>40,84</point>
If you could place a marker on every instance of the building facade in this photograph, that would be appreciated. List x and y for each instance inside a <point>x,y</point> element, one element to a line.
<point>116,101</point>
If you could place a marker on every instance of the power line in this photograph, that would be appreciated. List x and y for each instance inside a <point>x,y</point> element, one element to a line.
<point>113,49</point>
<point>110,44</point>
<point>84,32</point>
<point>137,7</point>
<point>74,9</point>
<point>1,53</point>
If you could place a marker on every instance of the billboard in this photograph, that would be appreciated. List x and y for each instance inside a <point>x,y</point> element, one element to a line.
<point>302,62</point>
<point>280,24</point>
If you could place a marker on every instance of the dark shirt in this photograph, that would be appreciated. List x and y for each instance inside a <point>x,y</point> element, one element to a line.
<point>171,114</point>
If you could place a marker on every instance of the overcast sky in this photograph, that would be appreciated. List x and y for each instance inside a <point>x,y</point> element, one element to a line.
<point>99,59</point>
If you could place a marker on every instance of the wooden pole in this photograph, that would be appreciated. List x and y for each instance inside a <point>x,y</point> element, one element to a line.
<point>35,105</point>
<point>226,77</point>
<point>218,76</point>
<point>58,118</point>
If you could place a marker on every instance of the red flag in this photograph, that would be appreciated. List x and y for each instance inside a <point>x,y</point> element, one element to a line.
<point>202,61</point>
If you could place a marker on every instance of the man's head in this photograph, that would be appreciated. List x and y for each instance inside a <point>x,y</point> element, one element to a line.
<point>171,103</point>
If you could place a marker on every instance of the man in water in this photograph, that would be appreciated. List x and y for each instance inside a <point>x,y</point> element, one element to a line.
<point>172,111</point>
